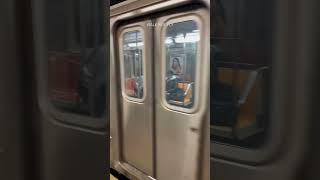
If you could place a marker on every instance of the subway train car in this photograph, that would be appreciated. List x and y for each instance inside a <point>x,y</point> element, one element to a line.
<point>264,85</point>
<point>159,89</point>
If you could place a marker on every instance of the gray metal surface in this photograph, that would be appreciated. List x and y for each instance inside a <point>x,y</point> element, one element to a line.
<point>68,150</point>
<point>178,134</point>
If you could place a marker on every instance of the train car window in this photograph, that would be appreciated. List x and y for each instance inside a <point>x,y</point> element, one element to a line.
<point>241,50</point>
<point>76,56</point>
<point>181,50</point>
<point>132,55</point>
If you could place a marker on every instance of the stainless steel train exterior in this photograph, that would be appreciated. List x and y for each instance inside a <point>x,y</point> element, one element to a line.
<point>152,136</point>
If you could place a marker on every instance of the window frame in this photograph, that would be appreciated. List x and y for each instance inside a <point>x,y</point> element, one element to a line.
<point>278,121</point>
<point>199,55</point>
<point>48,110</point>
<point>123,30</point>
<point>64,116</point>
<point>57,115</point>
<point>274,133</point>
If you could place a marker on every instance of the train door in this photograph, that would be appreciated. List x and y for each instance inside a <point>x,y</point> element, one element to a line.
<point>164,69</point>
<point>137,95</point>
<point>71,79</point>
<point>182,93</point>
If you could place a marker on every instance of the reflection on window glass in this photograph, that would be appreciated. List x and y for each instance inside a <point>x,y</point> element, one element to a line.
<point>76,56</point>
<point>241,53</point>
<point>181,55</point>
<point>133,64</point>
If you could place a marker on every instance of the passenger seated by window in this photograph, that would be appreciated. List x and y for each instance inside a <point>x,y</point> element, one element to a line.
<point>179,87</point>
<point>174,76</point>
<point>139,87</point>
<point>173,91</point>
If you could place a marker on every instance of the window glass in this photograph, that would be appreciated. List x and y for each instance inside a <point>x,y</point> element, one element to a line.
<point>133,64</point>
<point>181,47</point>
<point>241,50</point>
<point>76,56</point>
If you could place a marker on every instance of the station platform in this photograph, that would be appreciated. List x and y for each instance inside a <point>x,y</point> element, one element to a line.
<point>112,177</point>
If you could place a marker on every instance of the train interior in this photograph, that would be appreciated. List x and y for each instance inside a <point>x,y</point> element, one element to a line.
<point>181,51</point>
<point>133,56</point>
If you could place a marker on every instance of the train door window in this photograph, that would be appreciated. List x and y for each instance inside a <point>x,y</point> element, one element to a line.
<point>181,52</point>
<point>135,63</point>
<point>183,79</point>
<point>241,63</point>
<point>132,63</point>
<point>76,57</point>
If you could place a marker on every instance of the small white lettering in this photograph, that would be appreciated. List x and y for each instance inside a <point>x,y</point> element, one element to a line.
<point>158,24</point>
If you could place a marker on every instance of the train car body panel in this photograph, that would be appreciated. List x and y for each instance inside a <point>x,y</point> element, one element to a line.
<point>70,72</point>
<point>179,130</point>
<point>137,110</point>
<point>13,147</point>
